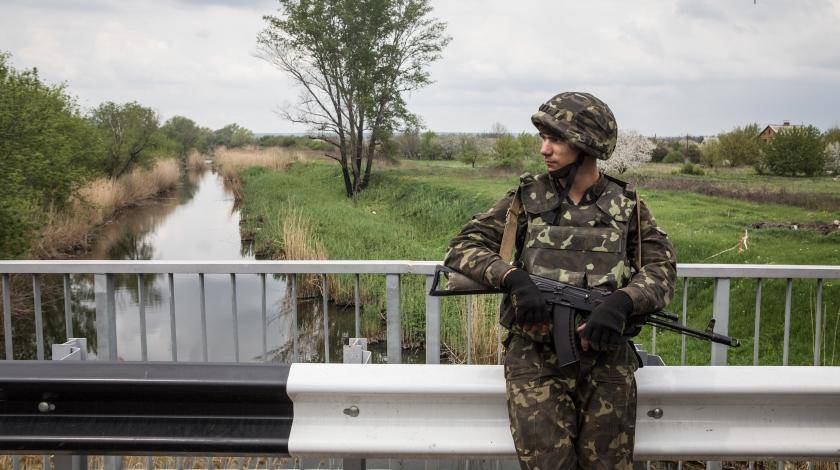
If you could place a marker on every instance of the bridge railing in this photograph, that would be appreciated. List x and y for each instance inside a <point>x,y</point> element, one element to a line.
<point>105,271</point>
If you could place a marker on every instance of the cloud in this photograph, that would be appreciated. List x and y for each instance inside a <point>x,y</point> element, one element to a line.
<point>688,66</point>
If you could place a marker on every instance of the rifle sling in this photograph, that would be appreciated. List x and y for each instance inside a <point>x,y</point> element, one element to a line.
<point>509,235</point>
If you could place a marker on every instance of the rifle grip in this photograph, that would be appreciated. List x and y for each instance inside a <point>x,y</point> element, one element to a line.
<point>565,338</point>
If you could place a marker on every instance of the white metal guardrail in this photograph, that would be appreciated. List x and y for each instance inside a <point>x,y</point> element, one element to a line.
<point>731,413</point>
<point>104,272</point>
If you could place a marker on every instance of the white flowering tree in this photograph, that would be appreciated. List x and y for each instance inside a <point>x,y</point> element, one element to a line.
<point>832,158</point>
<point>631,150</point>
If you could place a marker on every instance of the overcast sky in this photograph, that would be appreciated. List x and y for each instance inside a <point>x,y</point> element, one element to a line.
<point>665,67</point>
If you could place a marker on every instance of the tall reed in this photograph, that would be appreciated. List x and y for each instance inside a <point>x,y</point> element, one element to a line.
<point>100,200</point>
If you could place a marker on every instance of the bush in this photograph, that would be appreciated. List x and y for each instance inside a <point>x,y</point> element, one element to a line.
<point>797,151</point>
<point>692,153</point>
<point>658,154</point>
<point>691,169</point>
<point>832,136</point>
<point>674,156</point>
<point>741,146</point>
<point>710,154</point>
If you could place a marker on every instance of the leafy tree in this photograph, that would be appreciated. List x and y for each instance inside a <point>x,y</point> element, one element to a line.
<point>184,132</point>
<point>832,135</point>
<point>797,151</point>
<point>468,151</point>
<point>507,152</point>
<point>741,146</point>
<point>631,150</point>
<point>47,150</point>
<point>658,154</point>
<point>710,154</point>
<point>430,148</point>
<point>693,153</point>
<point>128,133</point>
<point>234,136</point>
<point>410,143</point>
<point>353,60</point>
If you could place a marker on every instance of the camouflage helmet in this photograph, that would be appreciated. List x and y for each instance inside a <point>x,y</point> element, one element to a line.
<point>580,119</point>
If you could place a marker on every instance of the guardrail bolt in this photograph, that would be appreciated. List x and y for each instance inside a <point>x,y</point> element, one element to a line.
<point>655,413</point>
<point>45,407</point>
<point>352,411</point>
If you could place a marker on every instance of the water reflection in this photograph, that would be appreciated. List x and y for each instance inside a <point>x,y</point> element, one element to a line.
<point>198,222</point>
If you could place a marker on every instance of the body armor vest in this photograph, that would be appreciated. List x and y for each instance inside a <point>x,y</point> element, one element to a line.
<point>587,245</point>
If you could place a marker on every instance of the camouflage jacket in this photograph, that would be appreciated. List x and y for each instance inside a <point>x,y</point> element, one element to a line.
<point>592,244</point>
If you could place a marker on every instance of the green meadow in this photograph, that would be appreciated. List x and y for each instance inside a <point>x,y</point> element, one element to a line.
<point>412,210</point>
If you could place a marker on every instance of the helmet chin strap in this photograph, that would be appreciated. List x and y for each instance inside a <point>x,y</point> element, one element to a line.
<point>568,172</point>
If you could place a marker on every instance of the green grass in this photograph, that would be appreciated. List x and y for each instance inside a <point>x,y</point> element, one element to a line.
<point>411,212</point>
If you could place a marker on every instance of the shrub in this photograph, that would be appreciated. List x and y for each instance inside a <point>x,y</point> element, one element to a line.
<point>831,135</point>
<point>797,151</point>
<point>710,154</point>
<point>691,169</point>
<point>692,153</point>
<point>658,154</point>
<point>674,156</point>
<point>741,146</point>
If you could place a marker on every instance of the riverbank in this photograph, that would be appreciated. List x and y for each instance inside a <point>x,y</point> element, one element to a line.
<point>69,233</point>
<point>412,215</point>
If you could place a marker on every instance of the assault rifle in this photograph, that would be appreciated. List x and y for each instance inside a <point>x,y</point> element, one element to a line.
<point>565,300</point>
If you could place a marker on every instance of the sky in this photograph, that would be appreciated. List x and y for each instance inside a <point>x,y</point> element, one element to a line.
<point>665,68</point>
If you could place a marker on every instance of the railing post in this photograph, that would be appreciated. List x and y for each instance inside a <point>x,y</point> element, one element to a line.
<point>720,311</point>
<point>106,317</point>
<point>432,325</point>
<point>394,335</point>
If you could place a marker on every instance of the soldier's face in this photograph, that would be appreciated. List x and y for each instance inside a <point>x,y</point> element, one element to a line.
<point>556,152</point>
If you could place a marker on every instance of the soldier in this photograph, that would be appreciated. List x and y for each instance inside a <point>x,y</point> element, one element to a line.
<point>582,227</point>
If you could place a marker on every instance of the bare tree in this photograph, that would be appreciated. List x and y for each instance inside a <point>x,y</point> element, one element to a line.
<point>353,61</point>
<point>631,150</point>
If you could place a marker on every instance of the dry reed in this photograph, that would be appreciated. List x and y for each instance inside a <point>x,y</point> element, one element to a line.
<point>298,242</point>
<point>483,331</point>
<point>230,161</point>
<point>197,161</point>
<point>99,201</point>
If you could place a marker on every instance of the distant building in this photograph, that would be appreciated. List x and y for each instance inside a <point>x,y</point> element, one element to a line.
<point>770,131</point>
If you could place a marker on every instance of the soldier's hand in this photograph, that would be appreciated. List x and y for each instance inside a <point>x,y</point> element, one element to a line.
<point>529,306</point>
<point>604,326</point>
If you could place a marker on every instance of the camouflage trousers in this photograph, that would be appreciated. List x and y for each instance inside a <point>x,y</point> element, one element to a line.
<point>579,416</point>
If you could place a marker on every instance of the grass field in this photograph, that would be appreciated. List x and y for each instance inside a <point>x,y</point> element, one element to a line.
<point>411,212</point>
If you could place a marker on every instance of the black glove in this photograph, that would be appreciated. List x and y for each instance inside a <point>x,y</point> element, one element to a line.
<point>529,306</point>
<point>606,322</point>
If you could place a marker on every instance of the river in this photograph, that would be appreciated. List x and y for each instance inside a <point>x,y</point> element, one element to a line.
<point>198,221</point>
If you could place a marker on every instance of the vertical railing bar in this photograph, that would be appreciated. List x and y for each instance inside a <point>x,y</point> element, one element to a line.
<point>786,347</point>
<point>684,322</point>
<point>112,349</point>
<point>393,319</point>
<point>39,317</point>
<point>141,303</point>
<point>818,321</point>
<point>203,307</point>
<point>7,317</point>
<point>757,329</point>
<point>325,295</point>
<point>172,333</point>
<point>68,307</point>
<point>264,318</point>
<point>720,311</point>
<point>295,352</point>
<point>653,340</point>
<point>469,299</point>
<point>432,325</point>
<point>357,303</point>
<point>233,312</point>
